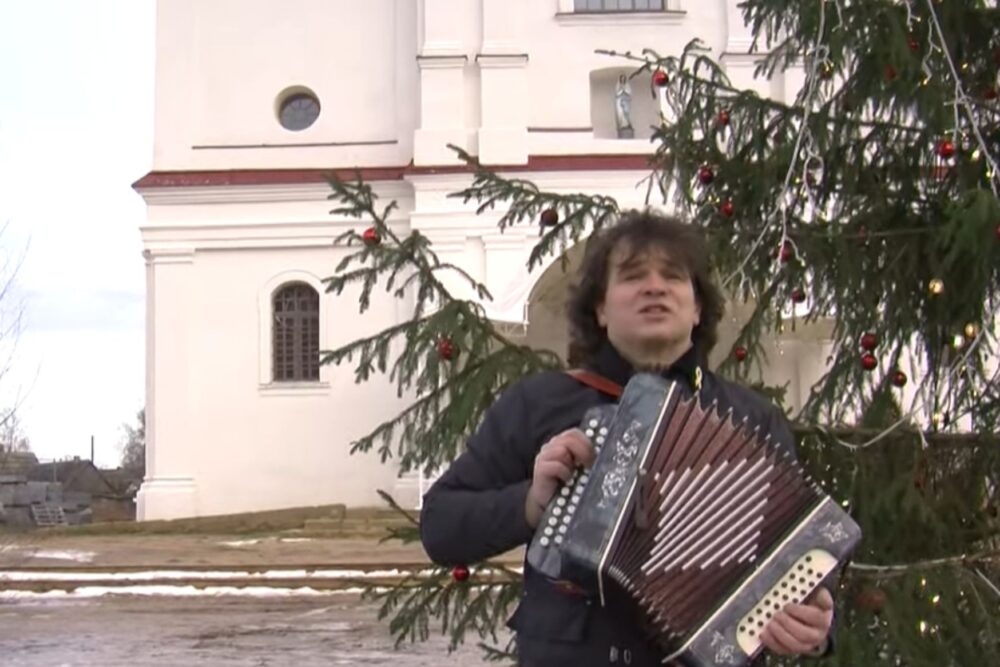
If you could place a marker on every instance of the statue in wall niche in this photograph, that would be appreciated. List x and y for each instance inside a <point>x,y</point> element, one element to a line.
<point>623,108</point>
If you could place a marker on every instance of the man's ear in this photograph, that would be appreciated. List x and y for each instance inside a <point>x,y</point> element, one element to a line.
<point>697,305</point>
<point>602,320</point>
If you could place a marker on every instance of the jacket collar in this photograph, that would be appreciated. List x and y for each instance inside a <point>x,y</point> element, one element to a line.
<point>612,365</point>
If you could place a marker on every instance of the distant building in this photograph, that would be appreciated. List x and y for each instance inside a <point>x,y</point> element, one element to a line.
<point>73,492</point>
<point>17,463</point>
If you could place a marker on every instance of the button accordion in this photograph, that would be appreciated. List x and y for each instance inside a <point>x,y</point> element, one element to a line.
<point>703,524</point>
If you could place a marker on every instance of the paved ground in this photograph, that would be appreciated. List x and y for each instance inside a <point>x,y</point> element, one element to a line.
<point>231,632</point>
<point>164,630</point>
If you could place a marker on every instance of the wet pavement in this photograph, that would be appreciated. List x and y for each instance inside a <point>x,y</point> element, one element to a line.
<point>159,631</point>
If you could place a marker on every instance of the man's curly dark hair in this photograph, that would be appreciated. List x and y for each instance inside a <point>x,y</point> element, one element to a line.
<point>639,232</point>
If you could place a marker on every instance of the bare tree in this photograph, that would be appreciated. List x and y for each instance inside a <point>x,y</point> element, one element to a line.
<point>12,436</point>
<point>134,444</point>
<point>13,439</point>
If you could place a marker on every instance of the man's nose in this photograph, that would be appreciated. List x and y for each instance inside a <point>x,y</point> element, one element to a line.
<point>654,284</point>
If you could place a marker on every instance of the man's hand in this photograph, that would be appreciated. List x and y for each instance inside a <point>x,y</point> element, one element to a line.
<point>554,465</point>
<point>801,629</point>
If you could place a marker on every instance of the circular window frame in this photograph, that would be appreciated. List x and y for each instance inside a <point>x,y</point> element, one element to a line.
<point>291,95</point>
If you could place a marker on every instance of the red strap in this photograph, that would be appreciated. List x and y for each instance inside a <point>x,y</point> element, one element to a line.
<point>595,381</point>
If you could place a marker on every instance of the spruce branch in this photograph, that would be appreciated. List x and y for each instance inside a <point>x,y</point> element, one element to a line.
<point>436,599</point>
<point>578,214</point>
<point>450,394</point>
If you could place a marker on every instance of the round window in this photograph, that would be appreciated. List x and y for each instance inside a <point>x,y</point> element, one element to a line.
<point>298,111</point>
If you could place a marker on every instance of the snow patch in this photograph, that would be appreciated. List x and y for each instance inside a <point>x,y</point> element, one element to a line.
<point>66,554</point>
<point>154,575</point>
<point>86,592</point>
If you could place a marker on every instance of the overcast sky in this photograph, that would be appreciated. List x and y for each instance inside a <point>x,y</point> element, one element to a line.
<point>76,113</point>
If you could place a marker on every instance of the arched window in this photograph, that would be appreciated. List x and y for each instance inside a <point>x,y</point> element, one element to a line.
<point>295,333</point>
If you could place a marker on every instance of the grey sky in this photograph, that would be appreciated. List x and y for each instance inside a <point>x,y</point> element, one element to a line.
<point>76,111</point>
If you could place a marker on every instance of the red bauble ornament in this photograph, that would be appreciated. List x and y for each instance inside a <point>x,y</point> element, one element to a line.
<point>989,93</point>
<point>869,362</point>
<point>371,236</point>
<point>890,73</point>
<point>946,149</point>
<point>798,295</point>
<point>913,43</point>
<point>998,231</point>
<point>899,379</point>
<point>446,349</point>
<point>460,573</point>
<point>740,353</point>
<point>660,78</point>
<point>862,235</point>
<point>869,341</point>
<point>706,175</point>
<point>549,217</point>
<point>871,599</point>
<point>727,209</point>
<point>723,118</point>
<point>787,252</point>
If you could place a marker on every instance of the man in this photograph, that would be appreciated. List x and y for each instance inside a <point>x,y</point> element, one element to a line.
<point>644,302</point>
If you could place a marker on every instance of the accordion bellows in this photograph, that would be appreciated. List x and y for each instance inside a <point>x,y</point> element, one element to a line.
<point>701,523</point>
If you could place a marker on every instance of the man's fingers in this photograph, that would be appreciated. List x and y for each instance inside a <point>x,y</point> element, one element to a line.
<point>554,469</point>
<point>805,634</point>
<point>570,447</point>
<point>777,638</point>
<point>579,446</point>
<point>555,451</point>
<point>821,598</point>
<point>809,615</point>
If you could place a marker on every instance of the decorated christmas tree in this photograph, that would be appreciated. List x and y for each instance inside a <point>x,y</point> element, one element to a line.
<point>870,202</point>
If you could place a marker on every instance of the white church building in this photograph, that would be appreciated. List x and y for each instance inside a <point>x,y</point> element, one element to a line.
<point>257,99</point>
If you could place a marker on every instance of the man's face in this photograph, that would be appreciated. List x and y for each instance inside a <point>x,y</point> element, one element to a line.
<point>649,304</point>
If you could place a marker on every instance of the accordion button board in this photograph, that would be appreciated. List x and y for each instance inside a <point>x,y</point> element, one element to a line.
<point>555,522</point>
<point>793,588</point>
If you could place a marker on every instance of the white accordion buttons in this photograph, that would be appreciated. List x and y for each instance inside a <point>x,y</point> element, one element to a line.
<point>794,587</point>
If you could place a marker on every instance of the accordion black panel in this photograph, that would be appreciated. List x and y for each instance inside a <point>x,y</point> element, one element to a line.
<point>699,522</point>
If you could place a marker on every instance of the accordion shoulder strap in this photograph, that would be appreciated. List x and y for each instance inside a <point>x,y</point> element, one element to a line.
<point>595,381</point>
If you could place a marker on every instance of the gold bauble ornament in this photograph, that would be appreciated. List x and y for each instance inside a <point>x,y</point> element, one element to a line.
<point>971,330</point>
<point>936,286</point>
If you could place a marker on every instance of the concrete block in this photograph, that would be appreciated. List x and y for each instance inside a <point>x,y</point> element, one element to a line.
<point>54,493</point>
<point>22,496</point>
<point>80,517</point>
<point>37,491</point>
<point>18,517</point>
<point>75,500</point>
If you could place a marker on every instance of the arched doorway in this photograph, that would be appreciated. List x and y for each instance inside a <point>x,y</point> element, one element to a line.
<point>546,305</point>
<point>793,359</point>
